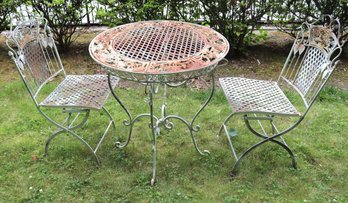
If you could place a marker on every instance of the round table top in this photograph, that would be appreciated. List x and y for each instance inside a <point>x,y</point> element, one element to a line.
<point>158,48</point>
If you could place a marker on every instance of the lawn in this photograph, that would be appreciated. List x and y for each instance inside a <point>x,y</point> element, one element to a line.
<point>69,173</point>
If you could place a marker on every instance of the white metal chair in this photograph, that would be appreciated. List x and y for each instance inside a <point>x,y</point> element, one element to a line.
<point>34,52</point>
<point>311,61</point>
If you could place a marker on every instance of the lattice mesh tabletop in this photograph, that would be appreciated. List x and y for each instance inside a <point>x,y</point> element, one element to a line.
<point>86,91</point>
<point>150,51</point>
<point>249,95</point>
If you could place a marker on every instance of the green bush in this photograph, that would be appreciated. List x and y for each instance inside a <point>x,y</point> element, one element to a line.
<point>289,14</point>
<point>237,21</point>
<point>126,11</point>
<point>6,8</point>
<point>182,10</point>
<point>63,16</point>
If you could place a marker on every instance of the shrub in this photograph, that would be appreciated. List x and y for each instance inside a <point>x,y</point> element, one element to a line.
<point>63,16</point>
<point>237,21</point>
<point>290,14</point>
<point>126,11</point>
<point>6,8</point>
<point>183,10</point>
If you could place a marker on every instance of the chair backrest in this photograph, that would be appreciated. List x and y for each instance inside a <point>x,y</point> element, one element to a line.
<point>312,58</point>
<point>34,52</point>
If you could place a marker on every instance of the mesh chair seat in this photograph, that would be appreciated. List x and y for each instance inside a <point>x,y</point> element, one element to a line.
<point>252,96</point>
<point>81,91</point>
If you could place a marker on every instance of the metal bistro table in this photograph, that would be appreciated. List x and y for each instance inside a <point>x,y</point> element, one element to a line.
<point>168,53</point>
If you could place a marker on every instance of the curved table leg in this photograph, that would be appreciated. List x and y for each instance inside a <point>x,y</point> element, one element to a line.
<point>197,127</point>
<point>125,122</point>
<point>155,122</point>
<point>190,125</point>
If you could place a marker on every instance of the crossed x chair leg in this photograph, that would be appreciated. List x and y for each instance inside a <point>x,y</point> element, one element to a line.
<point>263,135</point>
<point>68,125</point>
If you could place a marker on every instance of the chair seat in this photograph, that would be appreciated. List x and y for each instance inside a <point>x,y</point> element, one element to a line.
<point>81,91</point>
<point>256,96</point>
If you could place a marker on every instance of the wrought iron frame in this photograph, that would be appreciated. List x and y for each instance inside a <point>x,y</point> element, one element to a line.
<point>330,48</point>
<point>163,120</point>
<point>36,30</point>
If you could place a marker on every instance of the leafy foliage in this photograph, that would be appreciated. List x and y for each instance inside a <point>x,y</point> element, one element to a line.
<point>63,16</point>
<point>188,11</point>
<point>6,8</point>
<point>126,11</point>
<point>236,20</point>
<point>290,13</point>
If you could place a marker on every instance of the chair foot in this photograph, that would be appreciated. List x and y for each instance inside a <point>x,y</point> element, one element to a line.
<point>97,160</point>
<point>204,152</point>
<point>233,174</point>
<point>50,139</point>
<point>153,181</point>
<point>294,163</point>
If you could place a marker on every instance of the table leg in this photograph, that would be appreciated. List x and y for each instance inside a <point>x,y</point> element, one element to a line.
<point>155,132</point>
<point>190,125</point>
<point>197,127</point>
<point>155,122</point>
<point>129,122</point>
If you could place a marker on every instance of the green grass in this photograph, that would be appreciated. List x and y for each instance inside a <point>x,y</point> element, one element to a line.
<point>69,173</point>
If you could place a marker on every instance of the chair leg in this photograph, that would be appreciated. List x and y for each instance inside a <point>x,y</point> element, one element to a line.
<point>265,139</point>
<point>77,137</point>
<point>110,117</point>
<point>224,127</point>
<point>69,129</point>
<point>50,139</point>
<point>234,168</point>
<point>284,145</point>
<point>224,123</point>
<point>93,152</point>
